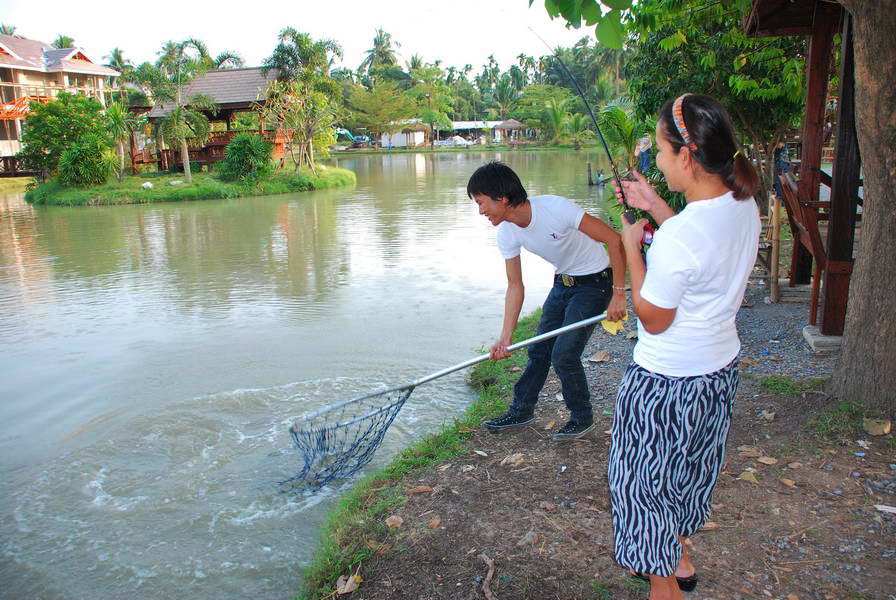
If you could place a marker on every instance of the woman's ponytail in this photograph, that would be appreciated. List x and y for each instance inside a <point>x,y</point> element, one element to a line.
<point>704,126</point>
<point>742,179</point>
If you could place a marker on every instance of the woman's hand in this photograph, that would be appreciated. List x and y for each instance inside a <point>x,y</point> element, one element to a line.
<point>632,234</point>
<point>499,351</point>
<point>616,309</point>
<point>640,194</point>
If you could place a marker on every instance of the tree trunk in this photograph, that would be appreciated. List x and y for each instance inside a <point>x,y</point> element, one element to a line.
<point>866,373</point>
<point>120,160</point>
<point>185,159</point>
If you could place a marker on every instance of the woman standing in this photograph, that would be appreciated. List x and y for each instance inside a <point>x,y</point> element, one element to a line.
<point>674,406</point>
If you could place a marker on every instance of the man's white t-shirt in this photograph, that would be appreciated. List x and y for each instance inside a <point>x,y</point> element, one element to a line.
<point>553,234</point>
<point>699,264</point>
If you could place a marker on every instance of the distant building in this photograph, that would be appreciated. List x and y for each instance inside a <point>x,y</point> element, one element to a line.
<point>35,71</point>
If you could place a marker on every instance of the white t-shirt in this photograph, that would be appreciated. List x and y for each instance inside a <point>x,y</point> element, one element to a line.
<point>699,264</point>
<point>554,235</point>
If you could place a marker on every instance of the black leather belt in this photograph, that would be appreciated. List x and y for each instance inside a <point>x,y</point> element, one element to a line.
<point>573,280</point>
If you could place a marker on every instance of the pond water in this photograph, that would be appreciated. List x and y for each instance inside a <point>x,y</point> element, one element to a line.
<point>152,359</point>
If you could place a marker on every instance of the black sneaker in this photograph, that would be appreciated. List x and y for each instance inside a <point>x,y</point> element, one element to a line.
<point>573,430</point>
<point>509,420</point>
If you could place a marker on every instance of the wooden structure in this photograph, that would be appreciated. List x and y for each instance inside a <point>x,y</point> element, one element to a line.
<point>832,250</point>
<point>234,91</point>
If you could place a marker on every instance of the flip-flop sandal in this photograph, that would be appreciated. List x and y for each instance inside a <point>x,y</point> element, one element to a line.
<point>685,584</point>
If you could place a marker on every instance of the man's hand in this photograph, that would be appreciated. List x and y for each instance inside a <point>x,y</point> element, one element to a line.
<point>499,350</point>
<point>616,309</point>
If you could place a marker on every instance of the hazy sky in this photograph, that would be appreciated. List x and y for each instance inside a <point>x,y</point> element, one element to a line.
<point>456,31</point>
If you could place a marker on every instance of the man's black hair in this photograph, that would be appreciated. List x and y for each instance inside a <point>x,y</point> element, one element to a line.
<point>496,180</point>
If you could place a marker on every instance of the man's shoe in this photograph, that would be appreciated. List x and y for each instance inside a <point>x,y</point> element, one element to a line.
<point>573,430</point>
<point>509,420</point>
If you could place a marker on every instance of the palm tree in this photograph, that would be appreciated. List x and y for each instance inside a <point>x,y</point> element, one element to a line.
<point>63,41</point>
<point>117,61</point>
<point>7,29</point>
<point>415,62</point>
<point>119,131</point>
<point>556,116</point>
<point>504,96</point>
<point>577,129</point>
<point>224,60</point>
<point>298,56</point>
<point>382,54</point>
<point>622,130</point>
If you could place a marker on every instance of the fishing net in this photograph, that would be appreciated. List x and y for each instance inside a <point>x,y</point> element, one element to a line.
<point>337,441</point>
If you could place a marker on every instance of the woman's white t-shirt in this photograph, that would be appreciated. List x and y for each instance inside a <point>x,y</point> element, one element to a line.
<point>553,234</point>
<point>699,264</point>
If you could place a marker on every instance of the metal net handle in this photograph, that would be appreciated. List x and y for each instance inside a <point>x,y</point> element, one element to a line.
<point>468,363</point>
<point>533,340</point>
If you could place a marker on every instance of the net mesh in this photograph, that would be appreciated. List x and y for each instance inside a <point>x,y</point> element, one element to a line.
<point>339,440</point>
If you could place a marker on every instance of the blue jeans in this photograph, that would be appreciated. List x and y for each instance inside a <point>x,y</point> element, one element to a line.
<point>564,305</point>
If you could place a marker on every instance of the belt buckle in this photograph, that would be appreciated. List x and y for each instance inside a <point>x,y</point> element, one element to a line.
<point>568,280</point>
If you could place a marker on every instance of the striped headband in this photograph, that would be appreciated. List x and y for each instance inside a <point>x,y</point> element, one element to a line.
<point>678,117</point>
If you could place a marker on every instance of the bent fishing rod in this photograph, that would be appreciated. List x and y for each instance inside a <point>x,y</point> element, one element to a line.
<point>628,214</point>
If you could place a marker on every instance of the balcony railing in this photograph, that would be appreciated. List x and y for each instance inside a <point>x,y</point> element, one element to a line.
<point>10,92</point>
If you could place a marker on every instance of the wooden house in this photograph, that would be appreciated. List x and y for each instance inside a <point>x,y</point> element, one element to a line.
<point>234,91</point>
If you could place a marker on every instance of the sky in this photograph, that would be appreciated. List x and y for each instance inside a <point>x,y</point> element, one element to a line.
<point>456,31</point>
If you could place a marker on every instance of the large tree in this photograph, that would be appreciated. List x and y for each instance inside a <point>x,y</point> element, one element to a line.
<point>866,372</point>
<point>299,56</point>
<point>63,41</point>
<point>382,109</point>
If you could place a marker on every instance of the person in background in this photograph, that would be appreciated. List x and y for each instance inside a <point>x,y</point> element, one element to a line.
<point>643,150</point>
<point>673,408</point>
<point>588,280</point>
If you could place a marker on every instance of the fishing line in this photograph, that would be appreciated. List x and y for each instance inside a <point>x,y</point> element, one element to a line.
<point>629,215</point>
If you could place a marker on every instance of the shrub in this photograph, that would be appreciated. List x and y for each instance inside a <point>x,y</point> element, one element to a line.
<point>248,157</point>
<point>53,127</point>
<point>88,161</point>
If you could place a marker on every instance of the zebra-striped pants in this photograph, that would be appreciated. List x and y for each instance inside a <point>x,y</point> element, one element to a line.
<point>669,437</point>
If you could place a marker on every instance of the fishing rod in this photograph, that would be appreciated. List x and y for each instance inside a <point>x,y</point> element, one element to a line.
<point>628,214</point>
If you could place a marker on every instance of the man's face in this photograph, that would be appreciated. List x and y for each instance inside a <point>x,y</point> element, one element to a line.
<point>493,210</point>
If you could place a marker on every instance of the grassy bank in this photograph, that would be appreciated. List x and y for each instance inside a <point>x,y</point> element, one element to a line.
<point>14,185</point>
<point>205,186</point>
<point>359,516</point>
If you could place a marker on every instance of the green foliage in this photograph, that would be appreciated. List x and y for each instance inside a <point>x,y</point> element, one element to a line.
<point>247,158</point>
<point>53,127</point>
<point>382,108</point>
<point>623,130</point>
<point>88,161</point>
<point>529,108</point>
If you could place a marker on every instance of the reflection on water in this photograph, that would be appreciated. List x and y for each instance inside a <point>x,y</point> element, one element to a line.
<point>154,356</point>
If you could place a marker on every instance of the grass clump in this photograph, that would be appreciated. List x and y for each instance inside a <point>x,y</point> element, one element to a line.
<point>205,186</point>
<point>355,529</point>
<point>841,420</point>
<point>787,386</point>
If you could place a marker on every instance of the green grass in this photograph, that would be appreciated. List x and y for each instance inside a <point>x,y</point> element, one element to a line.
<point>784,385</point>
<point>359,515</point>
<point>205,186</point>
<point>842,420</point>
<point>13,185</point>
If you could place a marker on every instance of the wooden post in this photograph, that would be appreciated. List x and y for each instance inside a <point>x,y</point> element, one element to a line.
<point>844,192</point>
<point>824,27</point>
<point>590,180</point>
<point>773,287</point>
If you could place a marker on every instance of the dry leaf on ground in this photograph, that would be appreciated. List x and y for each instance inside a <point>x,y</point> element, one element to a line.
<point>599,357</point>
<point>747,476</point>
<point>435,522</point>
<point>514,460</point>
<point>394,522</point>
<point>788,482</point>
<point>749,451</point>
<point>347,585</point>
<point>767,460</point>
<point>877,426</point>
<point>420,489</point>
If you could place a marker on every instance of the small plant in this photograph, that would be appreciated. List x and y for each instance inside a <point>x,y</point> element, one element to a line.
<point>247,158</point>
<point>88,161</point>
<point>782,384</point>
<point>839,421</point>
<point>600,591</point>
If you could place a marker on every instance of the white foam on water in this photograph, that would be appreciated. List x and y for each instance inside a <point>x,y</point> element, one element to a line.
<point>173,499</point>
